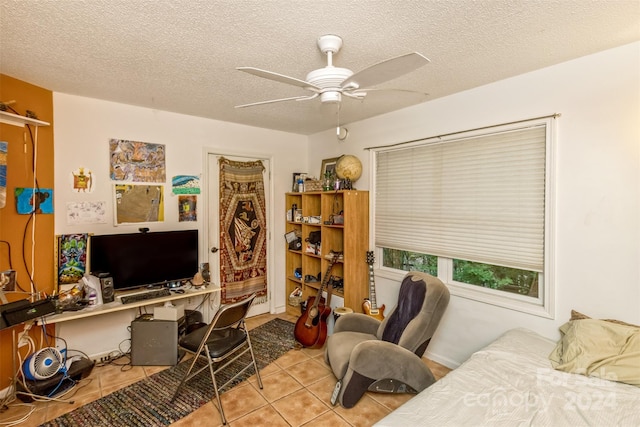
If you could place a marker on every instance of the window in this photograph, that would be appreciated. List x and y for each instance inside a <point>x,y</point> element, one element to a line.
<point>473,209</point>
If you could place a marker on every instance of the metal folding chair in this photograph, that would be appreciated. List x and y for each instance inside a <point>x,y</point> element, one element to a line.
<point>221,341</point>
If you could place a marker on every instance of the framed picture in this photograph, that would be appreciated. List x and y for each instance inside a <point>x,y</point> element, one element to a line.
<point>72,250</point>
<point>294,184</point>
<point>135,203</point>
<point>328,165</point>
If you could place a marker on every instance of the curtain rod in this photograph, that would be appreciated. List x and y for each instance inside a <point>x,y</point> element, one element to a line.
<point>397,144</point>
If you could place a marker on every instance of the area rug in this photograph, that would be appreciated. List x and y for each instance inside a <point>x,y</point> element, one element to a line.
<point>148,402</point>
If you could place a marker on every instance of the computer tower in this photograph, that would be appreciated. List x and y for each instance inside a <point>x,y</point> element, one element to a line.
<point>154,342</point>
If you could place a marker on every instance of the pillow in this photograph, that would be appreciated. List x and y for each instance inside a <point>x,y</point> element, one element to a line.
<point>599,348</point>
<point>576,315</point>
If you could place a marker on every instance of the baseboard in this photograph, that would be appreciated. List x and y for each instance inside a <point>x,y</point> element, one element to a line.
<point>449,363</point>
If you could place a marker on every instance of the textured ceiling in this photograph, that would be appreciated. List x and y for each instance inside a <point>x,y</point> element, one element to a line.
<point>181,55</point>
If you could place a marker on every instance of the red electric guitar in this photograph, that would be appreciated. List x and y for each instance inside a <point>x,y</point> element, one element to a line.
<point>311,327</point>
<point>369,305</point>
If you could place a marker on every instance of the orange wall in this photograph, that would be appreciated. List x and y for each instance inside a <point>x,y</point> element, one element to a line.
<point>17,229</point>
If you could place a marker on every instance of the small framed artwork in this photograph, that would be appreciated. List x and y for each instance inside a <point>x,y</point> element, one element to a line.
<point>328,165</point>
<point>72,252</point>
<point>294,184</point>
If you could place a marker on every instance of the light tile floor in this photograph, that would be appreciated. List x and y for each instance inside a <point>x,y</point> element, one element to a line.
<point>297,391</point>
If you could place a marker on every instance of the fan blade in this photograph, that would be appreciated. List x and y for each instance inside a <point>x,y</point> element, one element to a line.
<point>271,101</point>
<point>385,70</point>
<point>278,77</point>
<point>362,93</point>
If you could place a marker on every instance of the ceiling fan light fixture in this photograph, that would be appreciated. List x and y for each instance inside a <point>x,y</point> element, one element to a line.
<point>330,97</point>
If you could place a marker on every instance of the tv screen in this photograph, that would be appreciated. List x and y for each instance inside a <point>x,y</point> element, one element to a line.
<point>145,259</point>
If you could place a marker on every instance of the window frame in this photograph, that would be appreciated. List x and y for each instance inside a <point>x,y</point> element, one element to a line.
<point>544,304</point>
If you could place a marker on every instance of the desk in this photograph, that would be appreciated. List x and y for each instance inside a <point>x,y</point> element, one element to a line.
<point>116,305</point>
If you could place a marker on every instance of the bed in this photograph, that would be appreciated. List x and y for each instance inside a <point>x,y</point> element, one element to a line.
<point>511,382</point>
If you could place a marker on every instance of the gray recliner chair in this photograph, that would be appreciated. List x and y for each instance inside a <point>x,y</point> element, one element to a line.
<point>367,354</point>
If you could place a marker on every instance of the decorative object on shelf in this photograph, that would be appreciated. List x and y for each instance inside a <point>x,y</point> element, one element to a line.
<point>327,182</point>
<point>313,185</point>
<point>294,241</point>
<point>295,298</point>
<point>294,183</point>
<point>348,168</point>
<point>329,166</point>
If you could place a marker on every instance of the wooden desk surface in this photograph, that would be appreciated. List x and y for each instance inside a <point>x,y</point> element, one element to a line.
<point>119,306</point>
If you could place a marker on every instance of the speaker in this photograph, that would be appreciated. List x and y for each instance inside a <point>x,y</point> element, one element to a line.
<point>108,291</point>
<point>154,342</point>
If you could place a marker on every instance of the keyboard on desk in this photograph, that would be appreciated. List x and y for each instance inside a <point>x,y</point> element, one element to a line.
<point>159,293</point>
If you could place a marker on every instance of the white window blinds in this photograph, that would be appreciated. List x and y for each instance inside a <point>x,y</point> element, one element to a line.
<point>479,198</point>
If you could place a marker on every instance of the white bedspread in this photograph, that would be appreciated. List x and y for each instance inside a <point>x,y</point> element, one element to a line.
<point>511,383</point>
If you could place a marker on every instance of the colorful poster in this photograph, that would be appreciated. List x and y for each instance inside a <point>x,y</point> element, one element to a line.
<point>31,200</point>
<point>3,174</point>
<point>72,257</point>
<point>136,161</point>
<point>185,184</point>
<point>187,208</point>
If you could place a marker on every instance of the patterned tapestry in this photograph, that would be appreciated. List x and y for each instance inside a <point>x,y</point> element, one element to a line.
<point>243,231</point>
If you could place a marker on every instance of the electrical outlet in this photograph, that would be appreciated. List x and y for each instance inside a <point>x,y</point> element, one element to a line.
<point>23,338</point>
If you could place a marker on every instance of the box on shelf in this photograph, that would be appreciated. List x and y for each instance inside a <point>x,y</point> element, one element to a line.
<point>174,312</point>
<point>313,185</point>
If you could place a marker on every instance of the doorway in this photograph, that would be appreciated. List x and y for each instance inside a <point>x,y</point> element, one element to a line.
<point>213,245</point>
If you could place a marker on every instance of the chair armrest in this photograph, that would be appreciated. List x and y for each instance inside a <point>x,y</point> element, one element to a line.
<point>357,322</point>
<point>382,359</point>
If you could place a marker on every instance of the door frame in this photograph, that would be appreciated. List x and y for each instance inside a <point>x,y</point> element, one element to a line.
<point>206,244</point>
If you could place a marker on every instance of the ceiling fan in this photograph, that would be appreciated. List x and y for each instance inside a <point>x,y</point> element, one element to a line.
<point>330,83</point>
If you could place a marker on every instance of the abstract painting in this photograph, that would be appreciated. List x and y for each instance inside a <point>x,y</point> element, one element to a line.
<point>137,161</point>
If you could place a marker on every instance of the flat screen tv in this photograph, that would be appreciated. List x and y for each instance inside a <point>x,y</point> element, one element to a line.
<point>145,259</point>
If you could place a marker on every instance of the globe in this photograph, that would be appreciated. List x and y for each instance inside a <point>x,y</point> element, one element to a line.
<point>349,167</point>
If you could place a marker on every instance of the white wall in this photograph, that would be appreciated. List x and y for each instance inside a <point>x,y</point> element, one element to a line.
<point>597,234</point>
<point>82,129</point>
<point>598,182</point>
